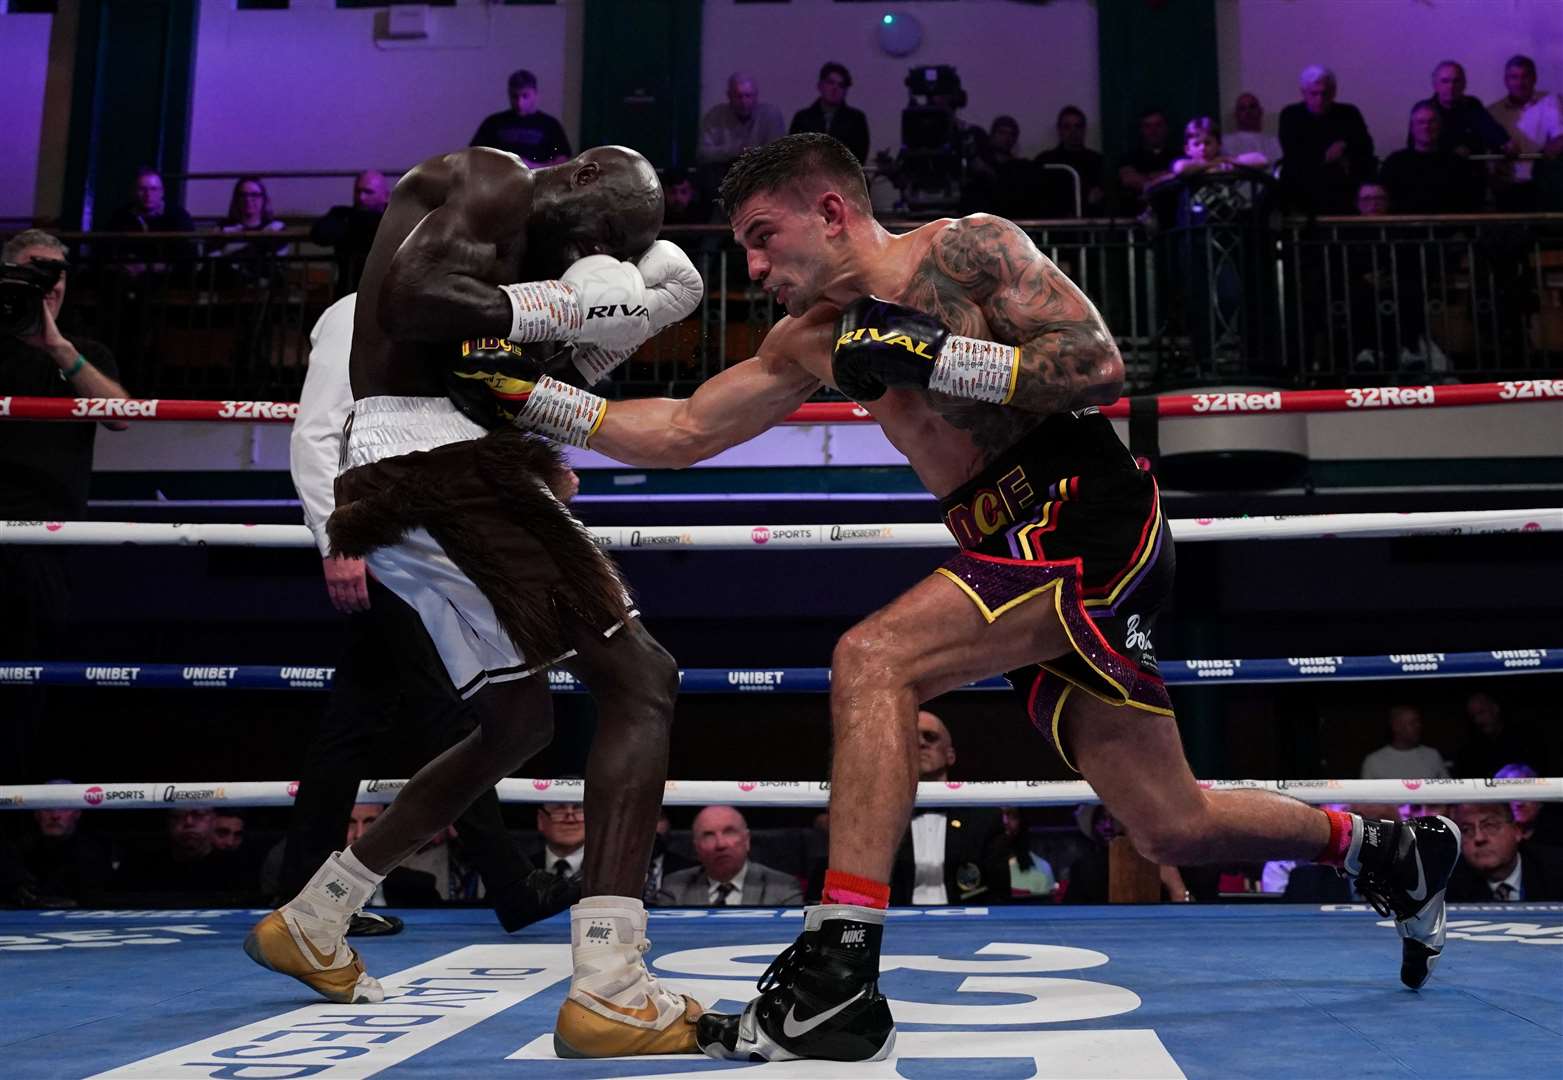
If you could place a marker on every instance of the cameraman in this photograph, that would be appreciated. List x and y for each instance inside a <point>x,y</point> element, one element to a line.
<point>44,470</point>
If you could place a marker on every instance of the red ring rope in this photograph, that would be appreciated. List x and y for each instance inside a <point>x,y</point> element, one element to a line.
<point>1213,403</point>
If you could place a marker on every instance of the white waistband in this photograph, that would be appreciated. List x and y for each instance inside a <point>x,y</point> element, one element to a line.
<point>383,427</point>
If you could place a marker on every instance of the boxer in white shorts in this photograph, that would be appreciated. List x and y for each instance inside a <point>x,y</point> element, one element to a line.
<point>455,511</point>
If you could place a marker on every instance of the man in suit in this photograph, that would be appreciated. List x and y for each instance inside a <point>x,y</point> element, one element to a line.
<point>1495,864</point>
<point>831,115</point>
<point>949,857</point>
<point>726,877</point>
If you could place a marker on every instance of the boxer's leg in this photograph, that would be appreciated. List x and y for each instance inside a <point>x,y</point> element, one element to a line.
<point>615,1007</point>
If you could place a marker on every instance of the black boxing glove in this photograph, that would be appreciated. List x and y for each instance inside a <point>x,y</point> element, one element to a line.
<point>880,344</point>
<point>495,382</point>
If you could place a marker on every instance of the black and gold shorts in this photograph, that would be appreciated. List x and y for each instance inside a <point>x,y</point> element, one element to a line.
<point>1066,518</point>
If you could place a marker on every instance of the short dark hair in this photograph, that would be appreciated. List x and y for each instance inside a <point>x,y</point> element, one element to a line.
<point>832,68</point>
<point>1519,60</point>
<point>1005,121</point>
<point>1153,110</point>
<point>522,79</point>
<point>788,160</point>
<point>1070,110</point>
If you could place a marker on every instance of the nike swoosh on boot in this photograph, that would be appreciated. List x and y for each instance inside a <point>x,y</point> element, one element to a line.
<point>794,1028</point>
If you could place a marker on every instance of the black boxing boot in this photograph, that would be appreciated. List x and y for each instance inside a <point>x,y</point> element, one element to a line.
<point>819,999</point>
<point>535,897</point>
<point>1401,869</point>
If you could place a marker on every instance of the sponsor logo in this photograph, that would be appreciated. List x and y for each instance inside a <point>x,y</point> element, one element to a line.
<point>645,1012</point>
<point>21,674</point>
<point>990,509</point>
<point>1411,785</point>
<point>102,938</point>
<point>209,676</point>
<point>1522,390</point>
<point>97,796</point>
<point>385,785</point>
<point>542,785</point>
<point>1512,781</point>
<point>1235,402</point>
<point>1520,658</point>
<point>617,311</point>
<point>113,676</point>
<point>1307,785</point>
<point>292,789</point>
<point>764,534</point>
<point>93,796</point>
<point>1213,669</point>
<point>317,678</point>
<point>646,539</point>
<point>1388,397</point>
<point>1316,665</point>
<point>1137,639</point>
<point>760,534</point>
<point>794,1028</point>
<point>1417,661</point>
<point>839,533</point>
<point>557,677</point>
<point>5,406</point>
<point>856,935</point>
<point>178,794</point>
<point>755,680</point>
<point>893,338</point>
<point>269,410</point>
<point>111,408</point>
<point>747,785</point>
<point>599,932</point>
<point>953,785</point>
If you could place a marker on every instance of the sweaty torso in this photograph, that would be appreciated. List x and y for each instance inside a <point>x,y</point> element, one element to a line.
<point>947,440</point>
<point>380,365</point>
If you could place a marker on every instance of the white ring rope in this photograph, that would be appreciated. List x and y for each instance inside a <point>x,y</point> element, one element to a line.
<point>768,793</point>
<point>752,537</point>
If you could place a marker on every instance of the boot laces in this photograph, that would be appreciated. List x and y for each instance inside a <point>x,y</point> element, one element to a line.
<point>785,967</point>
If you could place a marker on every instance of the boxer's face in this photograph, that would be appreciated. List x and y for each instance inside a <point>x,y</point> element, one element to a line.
<point>790,239</point>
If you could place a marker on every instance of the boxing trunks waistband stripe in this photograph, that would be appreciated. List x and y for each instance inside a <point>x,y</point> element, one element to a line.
<point>383,427</point>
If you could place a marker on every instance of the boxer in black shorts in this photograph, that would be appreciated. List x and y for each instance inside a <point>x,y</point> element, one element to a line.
<point>983,364</point>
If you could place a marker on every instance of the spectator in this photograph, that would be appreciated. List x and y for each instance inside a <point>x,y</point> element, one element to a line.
<point>1467,127</point>
<point>1059,190</point>
<point>682,201</point>
<point>523,129</point>
<point>45,469</point>
<point>60,864</point>
<point>1490,743</point>
<point>831,115</point>
<point>1248,137</point>
<point>349,230</point>
<point>1426,179</point>
<point>1372,199</point>
<point>1151,160</point>
<point>249,261</point>
<point>1326,151</point>
<point>1495,864</point>
<point>726,877</point>
<point>735,125</point>
<point>1534,123</point>
<point>563,829</point>
<point>228,831</point>
<point>187,865</point>
<point>1030,875</point>
<point>1526,813</point>
<point>949,857</point>
<point>1000,182</point>
<point>147,212</point>
<point>1203,151</point>
<point>1404,757</point>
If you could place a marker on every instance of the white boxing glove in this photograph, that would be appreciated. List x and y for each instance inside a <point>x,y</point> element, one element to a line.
<point>673,291</point>
<point>599,301</point>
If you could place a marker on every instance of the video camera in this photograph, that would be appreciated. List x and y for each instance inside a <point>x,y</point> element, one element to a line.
<point>22,289</point>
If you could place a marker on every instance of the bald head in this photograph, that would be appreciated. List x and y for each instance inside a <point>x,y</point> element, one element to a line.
<point>742,94</point>
<point>370,190</point>
<point>606,200</point>
<point>935,748</point>
<point>721,839</point>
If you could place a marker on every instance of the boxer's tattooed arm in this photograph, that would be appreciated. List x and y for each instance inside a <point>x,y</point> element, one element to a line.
<point>984,278</point>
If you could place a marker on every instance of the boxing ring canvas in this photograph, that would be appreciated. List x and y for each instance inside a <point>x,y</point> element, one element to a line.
<point>1137,992</point>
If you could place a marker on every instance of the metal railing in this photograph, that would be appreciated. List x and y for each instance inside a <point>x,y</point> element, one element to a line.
<point>1293,303</point>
